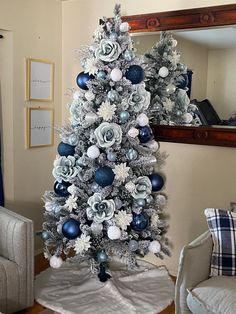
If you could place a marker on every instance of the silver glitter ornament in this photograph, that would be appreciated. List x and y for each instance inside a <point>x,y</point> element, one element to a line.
<point>133,245</point>
<point>95,187</point>
<point>128,55</point>
<point>131,154</point>
<point>179,113</point>
<point>96,228</point>
<point>170,88</point>
<point>113,36</point>
<point>111,156</point>
<point>113,96</point>
<point>124,116</point>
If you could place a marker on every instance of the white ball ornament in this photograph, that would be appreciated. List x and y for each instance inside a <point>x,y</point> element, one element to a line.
<point>124,27</point>
<point>93,152</point>
<point>91,117</point>
<point>154,247</point>
<point>89,95</point>
<point>142,119</point>
<point>174,42</point>
<point>133,132</point>
<point>55,261</point>
<point>116,75</point>
<point>113,232</point>
<point>163,72</point>
<point>187,117</point>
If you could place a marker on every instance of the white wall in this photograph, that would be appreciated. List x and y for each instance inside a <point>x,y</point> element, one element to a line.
<point>197,176</point>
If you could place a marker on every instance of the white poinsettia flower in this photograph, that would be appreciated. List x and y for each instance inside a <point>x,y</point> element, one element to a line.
<point>82,244</point>
<point>106,111</point>
<point>123,219</point>
<point>121,172</point>
<point>168,104</point>
<point>90,66</point>
<point>71,203</point>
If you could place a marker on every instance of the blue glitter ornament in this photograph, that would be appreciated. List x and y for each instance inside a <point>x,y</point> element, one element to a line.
<point>71,229</point>
<point>104,176</point>
<point>60,188</point>
<point>101,74</point>
<point>82,80</point>
<point>139,222</point>
<point>157,182</point>
<point>145,134</point>
<point>135,74</point>
<point>101,256</point>
<point>124,116</point>
<point>65,149</point>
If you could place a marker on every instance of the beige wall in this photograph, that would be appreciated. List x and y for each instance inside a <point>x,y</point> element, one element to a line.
<point>221,89</point>
<point>197,176</point>
<point>34,30</point>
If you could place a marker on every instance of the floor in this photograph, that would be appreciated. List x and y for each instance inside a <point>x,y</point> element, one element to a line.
<point>40,265</point>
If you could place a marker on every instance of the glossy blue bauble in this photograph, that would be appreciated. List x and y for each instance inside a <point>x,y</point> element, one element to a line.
<point>65,149</point>
<point>145,134</point>
<point>184,83</point>
<point>71,229</point>
<point>104,176</point>
<point>101,75</point>
<point>60,188</point>
<point>157,182</point>
<point>82,80</point>
<point>102,256</point>
<point>124,116</point>
<point>45,235</point>
<point>139,222</point>
<point>135,74</point>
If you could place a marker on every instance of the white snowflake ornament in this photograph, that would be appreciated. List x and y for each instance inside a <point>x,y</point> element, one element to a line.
<point>106,111</point>
<point>121,172</point>
<point>71,203</point>
<point>130,186</point>
<point>123,219</point>
<point>168,104</point>
<point>82,244</point>
<point>90,66</point>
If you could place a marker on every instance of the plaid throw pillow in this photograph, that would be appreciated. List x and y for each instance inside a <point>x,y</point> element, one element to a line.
<point>222,225</point>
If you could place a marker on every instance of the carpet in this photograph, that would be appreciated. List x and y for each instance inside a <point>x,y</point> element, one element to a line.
<point>74,290</point>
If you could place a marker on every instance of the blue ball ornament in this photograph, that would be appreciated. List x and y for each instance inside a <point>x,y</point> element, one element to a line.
<point>145,134</point>
<point>45,235</point>
<point>101,256</point>
<point>60,188</point>
<point>71,229</point>
<point>65,149</point>
<point>157,182</point>
<point>104,176</point>
<point>124,116</point>
<point>82,80</point>
<point>101,74</point>
<point>135,74</point>
<point>139,222</point>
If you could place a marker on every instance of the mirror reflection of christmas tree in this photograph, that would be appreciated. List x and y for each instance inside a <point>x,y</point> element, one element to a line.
<point>167,81</point>
<point>106,199</point>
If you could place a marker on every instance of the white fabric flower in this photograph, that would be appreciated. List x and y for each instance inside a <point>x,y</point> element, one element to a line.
<point>108,50</point>
<point>71,203</point>
<point>65,168</point>
<point>72,189</point>
<point>121,172</point>
<point>108,134</point>
<point>82,244</point>
<point>90,66</point>
<point>106,111</point>
<point>100,209</point>
<point>143,187</point>
<point>123,219</point>
<point>168,104</point>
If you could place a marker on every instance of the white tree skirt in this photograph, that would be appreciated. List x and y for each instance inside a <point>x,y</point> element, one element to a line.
<point>74,290</point>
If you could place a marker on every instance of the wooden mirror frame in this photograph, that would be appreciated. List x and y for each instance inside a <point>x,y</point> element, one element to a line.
<point>188,19</point>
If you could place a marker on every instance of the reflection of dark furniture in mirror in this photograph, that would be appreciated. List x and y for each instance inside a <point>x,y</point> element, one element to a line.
<point>207,17</point>
<point>206,112</point>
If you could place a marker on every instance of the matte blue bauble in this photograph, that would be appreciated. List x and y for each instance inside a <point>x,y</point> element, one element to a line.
<point>124,116</point>
<point>102,74</point>
<point>184,82</point>
<point>82,80</point>
<point>135,74</point>
<point>71,229</point>
<point>60,188</point>
<point>102,256</point>
<point>139,222</point>
<point>45,235</point>
<point>65,149</point>
<point>145,134</point>
<point>104,176</point>
<point>157,182</point>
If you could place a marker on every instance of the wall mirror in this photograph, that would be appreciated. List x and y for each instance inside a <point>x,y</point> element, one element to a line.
<point>207,44</point>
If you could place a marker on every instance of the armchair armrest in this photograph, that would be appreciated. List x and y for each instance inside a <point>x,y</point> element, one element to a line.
<point>194,266</point>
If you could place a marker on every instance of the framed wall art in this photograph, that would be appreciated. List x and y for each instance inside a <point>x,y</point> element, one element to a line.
<point>39,80</point>
<point>40,127</point>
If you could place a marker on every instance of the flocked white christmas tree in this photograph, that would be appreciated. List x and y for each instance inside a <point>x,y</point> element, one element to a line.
<point>167,80</point>
<point>106,199</point>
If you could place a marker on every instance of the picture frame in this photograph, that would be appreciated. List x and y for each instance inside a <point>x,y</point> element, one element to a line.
<point>40,127</point>
<point>39,80</point>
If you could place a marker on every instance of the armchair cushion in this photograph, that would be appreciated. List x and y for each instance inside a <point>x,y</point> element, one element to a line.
<point>222,225</point>
<point>213,296</point>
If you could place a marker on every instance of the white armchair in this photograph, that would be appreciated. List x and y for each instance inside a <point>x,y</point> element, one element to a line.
<point>16,262</point>
<point>197,293</point>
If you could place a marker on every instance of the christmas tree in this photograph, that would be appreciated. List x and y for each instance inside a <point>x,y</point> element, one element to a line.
<point>166,79</point>
<point>106,199</point>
